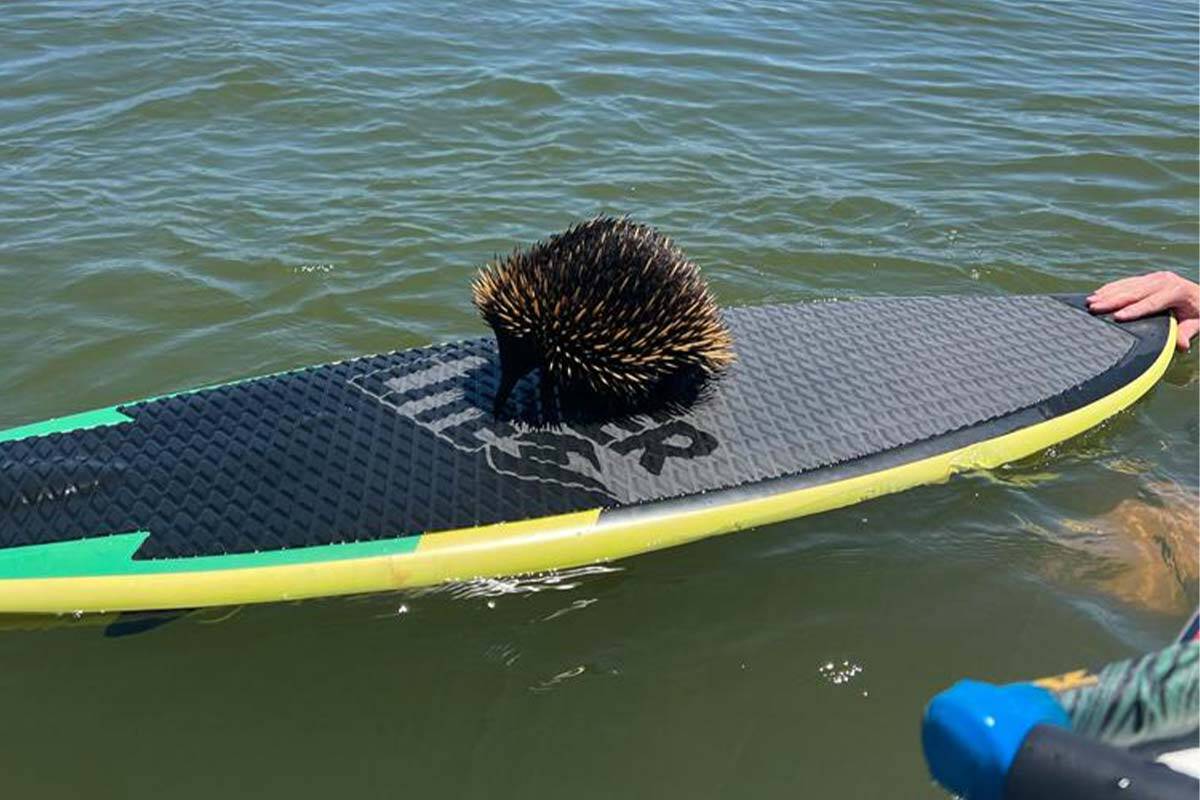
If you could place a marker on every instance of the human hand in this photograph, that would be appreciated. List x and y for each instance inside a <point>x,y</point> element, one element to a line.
<point>1131,298</point>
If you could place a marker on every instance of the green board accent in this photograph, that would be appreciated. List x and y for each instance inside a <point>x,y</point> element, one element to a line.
<point>113,555</point>
<point>73,422</point>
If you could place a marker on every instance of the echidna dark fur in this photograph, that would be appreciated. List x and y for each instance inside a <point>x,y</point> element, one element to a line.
<point>610,312</point>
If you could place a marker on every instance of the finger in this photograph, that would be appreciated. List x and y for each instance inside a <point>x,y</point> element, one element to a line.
<point>1102,305</point>
<point>1125,294</point>
<point>1139,284</point>
<point>1126,283</point>
<point>1149,305</point>
<point>1187,329</point>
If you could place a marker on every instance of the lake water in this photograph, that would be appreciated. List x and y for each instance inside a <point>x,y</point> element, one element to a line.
<point>192,192</point>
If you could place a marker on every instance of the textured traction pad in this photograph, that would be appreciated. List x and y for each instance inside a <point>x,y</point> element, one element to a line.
<point>404,443</point>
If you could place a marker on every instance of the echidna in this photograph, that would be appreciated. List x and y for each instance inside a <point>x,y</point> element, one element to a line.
<point>610,308</point>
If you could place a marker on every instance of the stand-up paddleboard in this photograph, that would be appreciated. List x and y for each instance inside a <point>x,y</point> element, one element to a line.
<point>391,471</point>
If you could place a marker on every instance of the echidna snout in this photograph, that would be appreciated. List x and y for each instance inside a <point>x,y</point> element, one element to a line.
<point>609,309</point>
<point>518,357</point>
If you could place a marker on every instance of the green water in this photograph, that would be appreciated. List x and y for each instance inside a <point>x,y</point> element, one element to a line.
<point>195,192</point>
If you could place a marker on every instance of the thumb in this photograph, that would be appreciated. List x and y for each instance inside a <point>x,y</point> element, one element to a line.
<point>1187,329</point>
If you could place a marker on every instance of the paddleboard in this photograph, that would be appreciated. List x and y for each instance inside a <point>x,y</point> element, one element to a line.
<point>390,471</point>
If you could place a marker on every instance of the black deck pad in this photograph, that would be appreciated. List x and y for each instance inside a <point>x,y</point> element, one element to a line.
<point>405,443</point>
